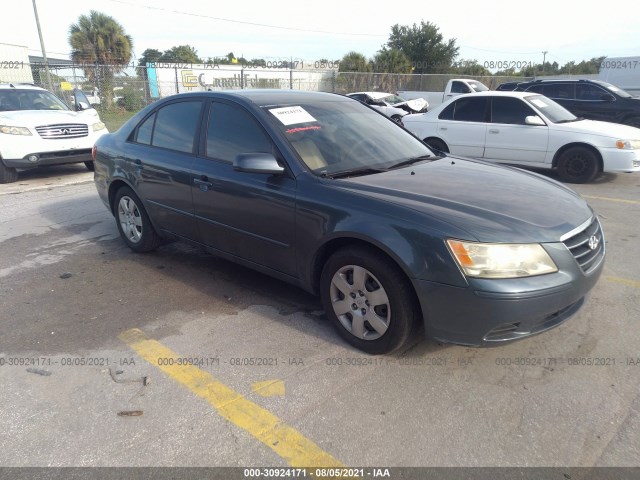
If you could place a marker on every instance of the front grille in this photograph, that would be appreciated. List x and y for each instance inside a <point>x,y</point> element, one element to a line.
<point>587,246</point>
<point>63,130</point>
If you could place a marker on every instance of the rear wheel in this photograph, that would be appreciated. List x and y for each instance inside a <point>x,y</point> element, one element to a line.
<point>578,165</point>
<point>369,300</point>
<point>437,144</point>
<point>133,222</point>
<point>7,174</point>
<point>90,165</point>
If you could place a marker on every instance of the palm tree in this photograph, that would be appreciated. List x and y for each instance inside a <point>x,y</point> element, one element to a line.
<point>100,44</point>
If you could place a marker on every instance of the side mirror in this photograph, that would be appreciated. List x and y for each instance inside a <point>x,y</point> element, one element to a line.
<point>82,106</point>
<point>257,163</point>
<point>534,120</point>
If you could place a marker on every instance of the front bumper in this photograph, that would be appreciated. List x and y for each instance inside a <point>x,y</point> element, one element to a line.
<point>619,160</point>
<point>50,158</point>
<point>491,312</point>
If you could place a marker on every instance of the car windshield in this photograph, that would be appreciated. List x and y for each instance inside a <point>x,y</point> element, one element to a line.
<point>614,89</point>
<point>477,86</point>
<point>16,99</point>
<point>336,137</point>
<point>551,110</point>
<point>392,99</point>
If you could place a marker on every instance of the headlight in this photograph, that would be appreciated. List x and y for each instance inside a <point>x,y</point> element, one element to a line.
<point>98,126</point>
<point>14,130</point>
<point>628,144</point>
<point>501,260</point>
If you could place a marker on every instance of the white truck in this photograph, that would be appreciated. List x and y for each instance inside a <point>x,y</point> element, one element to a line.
<point>455,86</point>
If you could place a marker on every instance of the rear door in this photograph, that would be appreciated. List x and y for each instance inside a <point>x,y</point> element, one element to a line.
<point>509,138</point>
<point>463,125</point>
<point>160,156</point>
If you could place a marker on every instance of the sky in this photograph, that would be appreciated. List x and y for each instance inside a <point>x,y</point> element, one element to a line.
<point>487,31</point>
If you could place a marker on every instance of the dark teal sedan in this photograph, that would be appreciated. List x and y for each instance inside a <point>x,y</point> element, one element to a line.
<point>323,192</point>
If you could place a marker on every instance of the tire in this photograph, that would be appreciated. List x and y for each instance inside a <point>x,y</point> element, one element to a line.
<point>437,144</point>
<point>90,166</point>
<point>7,174</point>
<point>578,165</point>
<point>369,300</point>
<point>133,222</point>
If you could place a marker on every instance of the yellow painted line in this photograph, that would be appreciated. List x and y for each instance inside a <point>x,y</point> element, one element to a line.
<point>269,388</point>
<point>611,199</point>
<point>624,281</point>
<point>285,441</point>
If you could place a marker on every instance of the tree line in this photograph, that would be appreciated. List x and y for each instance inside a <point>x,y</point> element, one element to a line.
<point>100,44</point>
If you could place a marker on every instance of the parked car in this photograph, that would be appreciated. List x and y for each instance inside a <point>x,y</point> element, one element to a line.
<point>323,192</point>
<point>391,105</point>
<point>591,99</point>
<point>37,128</point>
<point>528,129</point>
<point>454,87</point>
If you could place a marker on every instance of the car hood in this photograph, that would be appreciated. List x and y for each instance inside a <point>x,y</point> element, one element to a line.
<point>34,118</point>
<point>605,129</point>
<point>492,203</point>
<point>416,105</point>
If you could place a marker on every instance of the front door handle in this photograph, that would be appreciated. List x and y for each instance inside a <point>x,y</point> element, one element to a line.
<point>203,183</point>
<point>494,130</point>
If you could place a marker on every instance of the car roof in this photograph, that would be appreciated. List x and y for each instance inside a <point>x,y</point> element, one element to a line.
<point>22,86</point>
<point>497,93</point>
<point>266,97</point>
<point>374,95</point>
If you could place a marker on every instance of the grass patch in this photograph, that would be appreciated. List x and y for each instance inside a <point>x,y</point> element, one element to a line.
<point>115,118</point>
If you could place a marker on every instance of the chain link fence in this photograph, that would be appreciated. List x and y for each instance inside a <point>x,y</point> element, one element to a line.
<point>113,88</point>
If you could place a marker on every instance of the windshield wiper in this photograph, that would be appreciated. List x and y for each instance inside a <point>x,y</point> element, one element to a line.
<point>353,172</point>
<point>413,160</point>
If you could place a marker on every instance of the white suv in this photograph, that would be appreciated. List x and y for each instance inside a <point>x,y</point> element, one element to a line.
<point>37,128</point>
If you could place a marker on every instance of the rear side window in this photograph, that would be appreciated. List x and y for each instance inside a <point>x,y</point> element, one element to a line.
<point>470,109</point>
<point>145,131</point>
<point>176,126</point>
<point>562,91</point>
<point>231,131</point>
<point>509,110</point>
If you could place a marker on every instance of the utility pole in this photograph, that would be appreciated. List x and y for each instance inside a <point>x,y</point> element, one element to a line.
<point>544,57</point>
<point>44,53</point>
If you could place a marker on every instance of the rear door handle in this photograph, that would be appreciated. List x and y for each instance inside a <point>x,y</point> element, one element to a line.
<point>494,130</point>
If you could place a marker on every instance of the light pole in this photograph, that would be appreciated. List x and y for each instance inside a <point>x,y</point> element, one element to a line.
<point>44,53</point>
<point>544,57</point>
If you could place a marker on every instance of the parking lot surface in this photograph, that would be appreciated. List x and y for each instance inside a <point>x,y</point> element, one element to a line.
<point>178,358</point>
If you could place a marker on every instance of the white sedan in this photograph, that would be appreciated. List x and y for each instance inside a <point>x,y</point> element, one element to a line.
<point>526,129</point>
<point>391,105</point>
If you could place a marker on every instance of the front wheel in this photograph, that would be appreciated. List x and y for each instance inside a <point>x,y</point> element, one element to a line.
<point>437,144</point>
<point>7,174</point>
<point>133,222</point>
<point>369,300</point>
<point>578,165</point>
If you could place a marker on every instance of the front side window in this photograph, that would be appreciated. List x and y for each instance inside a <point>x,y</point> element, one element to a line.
<point>176,126</point>
<point>231,131</point>
<point>510,110</point>
<point>590,92</point>
<point>459,87</point>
